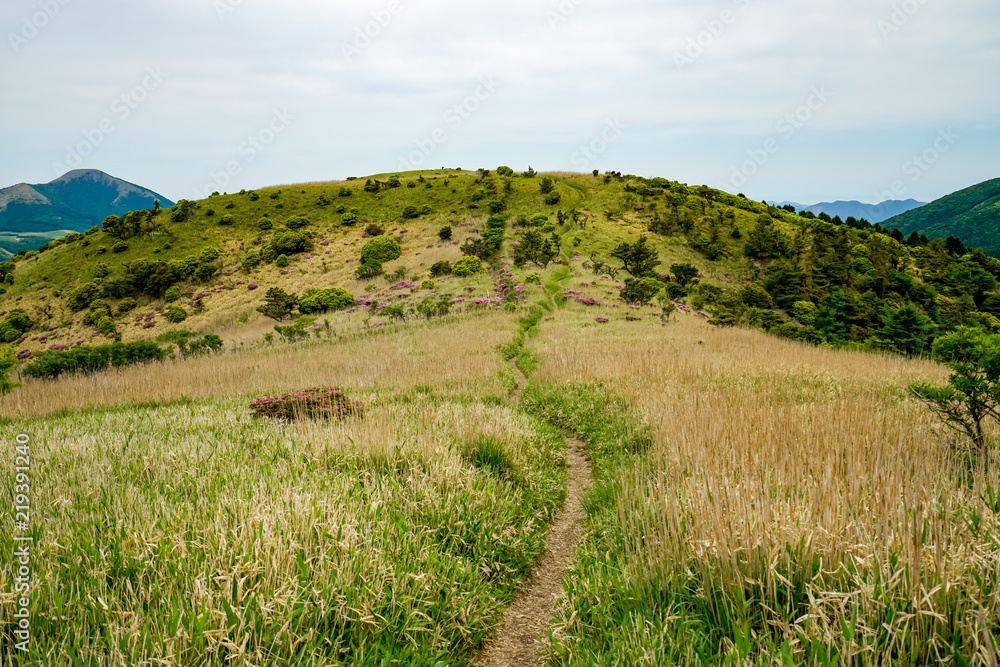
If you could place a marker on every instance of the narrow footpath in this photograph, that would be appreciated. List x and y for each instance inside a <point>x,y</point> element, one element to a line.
<point>529,615</point>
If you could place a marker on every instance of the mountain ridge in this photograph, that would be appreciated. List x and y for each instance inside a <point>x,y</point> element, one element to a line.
<point>853,208</point>
<point>971,215</point>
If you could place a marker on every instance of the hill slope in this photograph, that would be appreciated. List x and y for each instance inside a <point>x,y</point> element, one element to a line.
<point>744,263</point>
<point>73,202</point>
<point>972,215</point>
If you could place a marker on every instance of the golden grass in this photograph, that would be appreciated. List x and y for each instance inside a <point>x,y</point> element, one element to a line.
<point>769,453</point>
<point>455,355</point>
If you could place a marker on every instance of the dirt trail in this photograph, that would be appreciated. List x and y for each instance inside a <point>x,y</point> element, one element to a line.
<point>529,615</point>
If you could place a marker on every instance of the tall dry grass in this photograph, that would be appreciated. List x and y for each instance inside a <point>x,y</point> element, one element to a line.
<point>455,355</point>
<point>801,482</point>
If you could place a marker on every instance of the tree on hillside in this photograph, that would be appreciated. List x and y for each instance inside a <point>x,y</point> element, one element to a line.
<point>908,330</point>
<point>684,274</point>
<point>765,241</point>
<point>536,248</point>
<point>638,258</point>
<point>7,362</point>
<point>278,304</point>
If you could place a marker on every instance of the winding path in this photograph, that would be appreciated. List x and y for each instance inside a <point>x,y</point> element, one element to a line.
<point>528,617</point>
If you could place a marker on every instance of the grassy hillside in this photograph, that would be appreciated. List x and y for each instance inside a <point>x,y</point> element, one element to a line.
<point>759,265</point>
<point>971,215</point>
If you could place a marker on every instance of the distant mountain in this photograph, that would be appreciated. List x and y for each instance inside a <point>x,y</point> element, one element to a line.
<point>972,215</point>
<point>871,212</point>
<point>31,214</point>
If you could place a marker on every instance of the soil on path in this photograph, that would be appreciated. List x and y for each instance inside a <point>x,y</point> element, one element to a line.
<point>528,617</point>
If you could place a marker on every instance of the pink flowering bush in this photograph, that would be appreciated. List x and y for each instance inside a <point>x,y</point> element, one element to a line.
<point>318,402</point>
<point>601,320</point>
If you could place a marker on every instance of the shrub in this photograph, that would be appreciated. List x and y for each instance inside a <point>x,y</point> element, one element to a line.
<point>756,296</point>
<point>282,261</point>
<point>427,284</point>
<point>82,296</point>
<point>533,279</point>
<point>445,233</point>
<point>381,250</point>
<point>101,270</point>
<point>804,312</point>
<point>318,402</point>
<point>374,230</point>
<point>90,359</point>
<point>101,249</point>
<point>368,271</point>
<point>172,294</point>
<point>552,198</point>
<point>290,242</point>
<point>227,219</point>
<point>265,223</point>
<point>351,217</point>
<point>331,298</point>
<point>467,266</point>
<point>251,260</point>
<point>121,246</point>
<point>639,291</point>
<point>344,191</point>
<point>175,314</point>
<point>546,185</point>
<point>106,326</point>
<point>268,254</point>
<point>208,254</point>
<point>440,269</point>
<point>127,304</point>
<point>538,220</point>
<point>411,212</point>
<point>8,359</point>
<point>296,222</point>
<point>14,325</point>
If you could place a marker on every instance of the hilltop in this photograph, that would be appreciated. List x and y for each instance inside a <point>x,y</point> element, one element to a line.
<point>32,215</point>
<point>972,215</point>
<point>209,263</point>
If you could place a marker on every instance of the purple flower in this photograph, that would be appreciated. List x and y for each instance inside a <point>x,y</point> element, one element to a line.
<point>601,320</point>
<point>252,286</point>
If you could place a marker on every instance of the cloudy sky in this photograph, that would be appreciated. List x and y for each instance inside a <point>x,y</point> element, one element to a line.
<point>779,99</point>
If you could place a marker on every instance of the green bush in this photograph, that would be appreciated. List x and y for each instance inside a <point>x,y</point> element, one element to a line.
<point>374,230</point>
<point>14,325</point>
<point>639,291</point>
<point>321,301</point>
<point>467,266</point>
<point>106,326</point>
<point>552,198</point>
<point>101,270</point>
<point>282,261</point>
<point>208,254</point>
<point>268,254</point>
<point>756,296</point>
<point>445,233</point>
<point>440,269</point>
<point>290,242</point>
<point>381,250</point>
<point>227,219</point>
<point>175,314</point>
<point>804,312</point>
<point>90,359</point>
<point>101,249</point>
<point>533,279</point>
<point>427,284</point>
<point>296,222</point>
<point>82,296</point>
<point>172,294</point>
<point>344,191</point>
<point>121,246</point>
<point>410,212</point>
<point>127,304</point>
<point>265,223</point>
<point>251,260</point>
<point>368,272</point>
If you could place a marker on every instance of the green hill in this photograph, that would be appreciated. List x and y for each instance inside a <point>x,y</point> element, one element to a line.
<point>744,263</point>
<point>971,215</point>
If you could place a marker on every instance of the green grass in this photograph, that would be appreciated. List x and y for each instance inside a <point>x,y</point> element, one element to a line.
<point>398,537</point>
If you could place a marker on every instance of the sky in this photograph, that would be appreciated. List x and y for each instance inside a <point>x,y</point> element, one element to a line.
<point>778,99</point>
